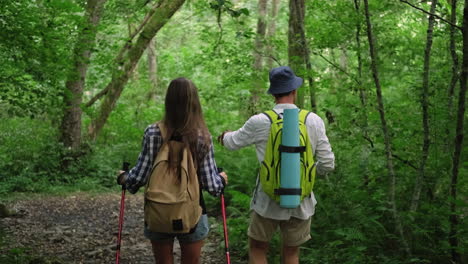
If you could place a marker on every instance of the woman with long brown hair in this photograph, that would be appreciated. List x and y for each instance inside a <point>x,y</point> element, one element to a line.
<point>183,120</point>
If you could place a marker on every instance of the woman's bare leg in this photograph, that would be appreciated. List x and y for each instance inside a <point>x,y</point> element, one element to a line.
<point>191,252</point>
<point>163,252</point>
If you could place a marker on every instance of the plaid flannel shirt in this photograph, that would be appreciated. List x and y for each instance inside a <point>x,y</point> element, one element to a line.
<point>207,171</point>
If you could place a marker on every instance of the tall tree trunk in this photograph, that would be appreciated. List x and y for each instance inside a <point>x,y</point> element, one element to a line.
<point>425,110</point>
<point>362,91</point>
<point>260,37</point>
<point>458,143</point>
<point>123,69</point>
<point>74,86</point>
<point>453,53</point>
<point>312,94</point>
<point>134,75</point>
<point>386,134</point>
<point>296,48</point>
<point>258,86</point>
<point>271,31</point>
<point>455,70</point>
<point>298,52</point>
<point>153,69</point>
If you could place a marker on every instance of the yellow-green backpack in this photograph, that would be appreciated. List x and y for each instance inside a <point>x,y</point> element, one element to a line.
<point>270,167</point>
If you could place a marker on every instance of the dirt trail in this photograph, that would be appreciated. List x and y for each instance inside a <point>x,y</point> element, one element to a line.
<point>82,228</point>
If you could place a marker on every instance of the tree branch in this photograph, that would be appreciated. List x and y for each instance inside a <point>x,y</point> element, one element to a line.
<point>407,162</point>
<point>366,137</point>
<point>121,71</point>
<point>97,96</point>
<point>137,31</point>
<point>338,67</point>
<point>265,55</point>
<point>125,48</point>
<point>220,26</point>
<point>429,13</point>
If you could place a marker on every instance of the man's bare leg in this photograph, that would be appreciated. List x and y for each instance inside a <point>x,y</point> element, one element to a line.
<point>290,255</point>
<point>257,251</point>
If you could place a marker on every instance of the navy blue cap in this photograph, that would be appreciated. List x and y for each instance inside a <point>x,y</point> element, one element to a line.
<point>283,80</point>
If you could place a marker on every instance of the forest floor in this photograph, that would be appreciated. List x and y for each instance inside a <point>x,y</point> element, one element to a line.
<point>82,228</point>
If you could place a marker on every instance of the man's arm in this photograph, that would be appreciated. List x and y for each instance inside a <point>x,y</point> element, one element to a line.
<point>244,136</point>
<point>323,151</point>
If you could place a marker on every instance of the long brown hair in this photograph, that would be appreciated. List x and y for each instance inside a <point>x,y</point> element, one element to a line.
<point>183,117</point>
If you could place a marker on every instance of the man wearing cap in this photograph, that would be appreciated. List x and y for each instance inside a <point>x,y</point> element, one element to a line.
<point>266,214</point>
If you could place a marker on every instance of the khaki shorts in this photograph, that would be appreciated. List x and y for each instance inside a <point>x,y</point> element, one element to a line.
<point>294,232</point>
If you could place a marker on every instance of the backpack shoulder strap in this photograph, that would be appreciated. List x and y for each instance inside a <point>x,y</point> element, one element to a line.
<point>164,136</point>
<point>303,115</point>
<point>163,130</point>
<point>272,115</point>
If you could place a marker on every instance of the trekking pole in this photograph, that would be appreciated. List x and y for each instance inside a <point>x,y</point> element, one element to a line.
<point>223,212</point>
<point>125,167</point>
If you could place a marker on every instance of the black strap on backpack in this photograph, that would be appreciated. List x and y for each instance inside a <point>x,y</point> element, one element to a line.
<point>283,148</point>
<point>288,191</point>
<point>289,149</point>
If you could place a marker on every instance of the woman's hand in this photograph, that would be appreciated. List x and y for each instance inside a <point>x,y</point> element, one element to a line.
<point>121,177</point>
<point>225,177</point>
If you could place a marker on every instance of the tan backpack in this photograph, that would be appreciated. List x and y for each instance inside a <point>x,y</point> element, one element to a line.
<point>172,205</point>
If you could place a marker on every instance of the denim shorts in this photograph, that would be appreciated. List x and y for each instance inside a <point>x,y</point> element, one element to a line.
<point>200,233</point>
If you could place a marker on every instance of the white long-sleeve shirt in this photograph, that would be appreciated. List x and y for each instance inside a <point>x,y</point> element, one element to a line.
<point>256,131</point>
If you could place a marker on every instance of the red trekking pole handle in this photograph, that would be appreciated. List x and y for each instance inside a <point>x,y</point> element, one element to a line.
<point>125,167</point>
<point>223,212</point>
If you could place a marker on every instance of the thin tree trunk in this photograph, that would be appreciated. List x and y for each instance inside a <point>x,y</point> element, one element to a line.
<point>258,86</point>
<point>386,134</point>
<point>425,110</point>
<point>453,53</point>
<point>260,37</point>
<point>271,31</point>
<point>134,75</point>
<point>362,92</point>
<point>134,33</point>
<point>74,86</point>
<point>122,71</point>
<point>153,69</point>
<point>458,144</point>
<point>306,56</point>
<point>312,94</point>
<point>295,43</point>
<point>303,52</point>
